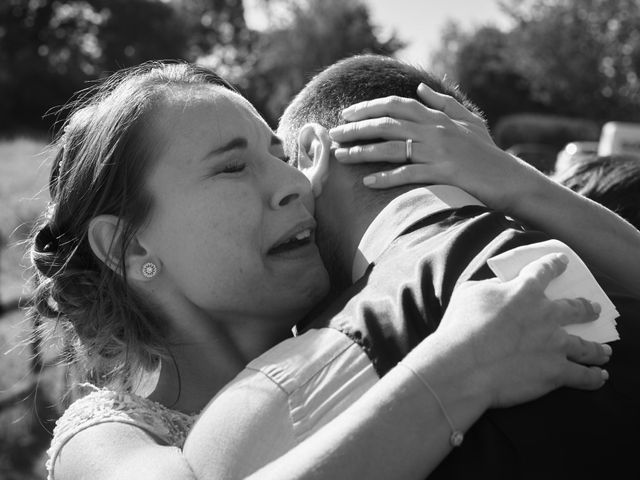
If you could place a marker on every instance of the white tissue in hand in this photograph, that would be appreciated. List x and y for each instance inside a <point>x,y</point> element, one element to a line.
<point>576,281</point>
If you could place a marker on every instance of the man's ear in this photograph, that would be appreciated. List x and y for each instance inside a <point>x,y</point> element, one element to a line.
<point>105,237</point>
<point>314,147</point>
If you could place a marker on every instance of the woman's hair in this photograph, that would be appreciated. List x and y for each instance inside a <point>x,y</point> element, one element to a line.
<point>612,181</point>
<point>103,156</point>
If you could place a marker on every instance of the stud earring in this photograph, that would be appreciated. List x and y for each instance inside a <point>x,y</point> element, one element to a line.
<point>149,270</point>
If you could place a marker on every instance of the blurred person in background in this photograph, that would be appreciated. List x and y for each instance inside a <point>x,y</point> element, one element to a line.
<point>573,152</point>
<point>612,181</point>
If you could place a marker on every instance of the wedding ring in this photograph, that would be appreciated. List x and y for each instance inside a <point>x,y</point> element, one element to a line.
<point>409,149</point>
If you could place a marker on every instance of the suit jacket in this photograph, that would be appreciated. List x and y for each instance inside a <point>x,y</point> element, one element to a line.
<point>566,434</point>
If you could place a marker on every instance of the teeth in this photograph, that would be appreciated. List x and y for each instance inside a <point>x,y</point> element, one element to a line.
<point>303,235</point>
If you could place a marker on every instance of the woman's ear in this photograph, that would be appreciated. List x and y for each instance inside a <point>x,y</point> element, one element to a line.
<point>105,237</point>
<point>314,147</point>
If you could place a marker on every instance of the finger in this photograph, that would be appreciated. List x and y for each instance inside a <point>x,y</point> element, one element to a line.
<point>405,175</point>
<point>585,378</point>
<point>585,352</point>
<point>392,106</point>
<point>576,310</point>
<point>544,269</point>
<point>385,128</point>
<point>392,152</point>
<point>447,105</point>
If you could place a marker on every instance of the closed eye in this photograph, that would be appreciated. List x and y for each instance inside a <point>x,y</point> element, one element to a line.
<point>234,167</point>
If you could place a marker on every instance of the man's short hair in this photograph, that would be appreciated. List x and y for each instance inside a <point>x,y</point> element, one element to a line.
<point>352,80</point>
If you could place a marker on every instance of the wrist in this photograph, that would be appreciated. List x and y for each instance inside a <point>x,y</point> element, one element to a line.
<point>462,389</point>
<point>526,187</point>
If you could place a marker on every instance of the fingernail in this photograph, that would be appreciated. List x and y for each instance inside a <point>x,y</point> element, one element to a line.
<point>596,308</point>
<point>605,374</point>
<point>346,113</point>
<point>563,258</point>
<point>607,349</point>
<point>369,180</point>
<point>341,153</point>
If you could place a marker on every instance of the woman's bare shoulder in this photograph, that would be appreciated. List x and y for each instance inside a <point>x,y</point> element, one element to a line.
<point>118,451</point>
<point>103,429</point>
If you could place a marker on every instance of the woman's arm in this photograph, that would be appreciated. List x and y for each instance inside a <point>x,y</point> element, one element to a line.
<point>456,149</point>
<point>499,344</point>
<point>481,356</point>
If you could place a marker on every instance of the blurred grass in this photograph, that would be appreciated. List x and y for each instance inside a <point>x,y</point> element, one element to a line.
<point>24,174</point>
<point>24,426</point>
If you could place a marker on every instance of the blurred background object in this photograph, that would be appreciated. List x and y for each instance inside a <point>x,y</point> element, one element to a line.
<point>540,155</point>
<point>618,138</point>
<point>612,181</point>
<point>574,152</point>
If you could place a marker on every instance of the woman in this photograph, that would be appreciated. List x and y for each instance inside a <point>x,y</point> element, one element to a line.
<point>178,236</point>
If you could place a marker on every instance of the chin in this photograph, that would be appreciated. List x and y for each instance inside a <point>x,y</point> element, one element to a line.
<point>309,298</point>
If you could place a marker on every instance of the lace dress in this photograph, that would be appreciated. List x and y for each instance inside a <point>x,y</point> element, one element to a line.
<point>168,426</point>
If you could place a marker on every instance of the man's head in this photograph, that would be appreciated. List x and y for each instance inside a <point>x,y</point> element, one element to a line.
<point>352,80</point>
<point>345,206</point>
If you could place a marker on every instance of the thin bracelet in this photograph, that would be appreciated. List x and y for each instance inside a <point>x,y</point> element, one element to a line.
<point>457,436</point>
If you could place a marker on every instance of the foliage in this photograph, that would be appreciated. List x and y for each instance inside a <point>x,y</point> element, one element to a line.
<point>480,62</point>
<point>487,75</point>
<point>581,56</point>
<point>53,48</point>
<point>312,34</point>
<point>577,58</point>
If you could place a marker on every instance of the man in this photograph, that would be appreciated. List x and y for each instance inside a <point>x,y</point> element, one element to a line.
<point>403,280</point>
<point>438,249</point>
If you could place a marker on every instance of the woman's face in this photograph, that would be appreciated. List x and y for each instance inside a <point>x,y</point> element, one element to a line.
<point>232,224</point>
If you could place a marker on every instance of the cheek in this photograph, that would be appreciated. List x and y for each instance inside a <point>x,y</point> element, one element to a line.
<point>217,242</point>
<point>309,202</point>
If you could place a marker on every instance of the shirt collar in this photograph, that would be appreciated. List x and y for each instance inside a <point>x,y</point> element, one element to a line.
<point>400,214</point>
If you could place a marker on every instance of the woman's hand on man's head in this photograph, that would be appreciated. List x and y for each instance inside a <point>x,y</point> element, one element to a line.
<point>449,145</point>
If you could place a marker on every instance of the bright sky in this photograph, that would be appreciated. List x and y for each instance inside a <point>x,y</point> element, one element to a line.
<point>419,22</point>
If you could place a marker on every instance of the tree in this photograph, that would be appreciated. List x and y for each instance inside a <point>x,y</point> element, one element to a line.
<point>581,57</point>
<point>479,62</point>
<point>50,49</point>
<point>308,36</point>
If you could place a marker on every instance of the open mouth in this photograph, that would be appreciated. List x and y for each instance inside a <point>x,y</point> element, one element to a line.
<point>299,240</point>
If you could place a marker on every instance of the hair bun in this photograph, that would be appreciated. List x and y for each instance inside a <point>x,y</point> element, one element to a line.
<point>46,245</point>
<point>46,241</point>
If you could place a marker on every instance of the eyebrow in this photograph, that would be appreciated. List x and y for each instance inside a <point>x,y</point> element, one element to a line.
<point>239,143</point>
<point>233,144</point>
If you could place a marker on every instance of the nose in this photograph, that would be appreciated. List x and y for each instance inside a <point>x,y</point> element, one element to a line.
<point>289,185</point>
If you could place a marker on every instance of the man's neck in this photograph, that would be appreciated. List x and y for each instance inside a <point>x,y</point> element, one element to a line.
<point>360,231</point>
<point>343,220</point>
